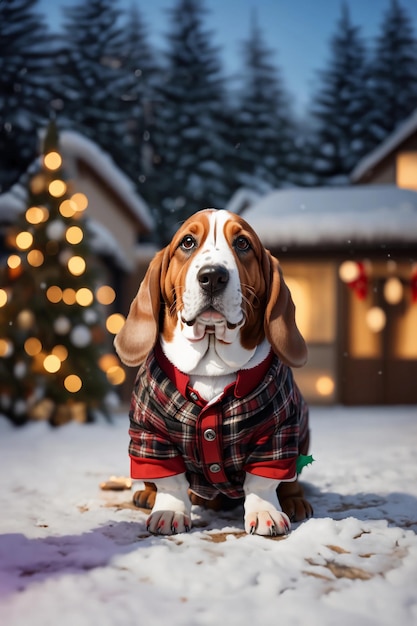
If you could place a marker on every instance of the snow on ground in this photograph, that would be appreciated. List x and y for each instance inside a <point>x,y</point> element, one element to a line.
<point>71,553</point>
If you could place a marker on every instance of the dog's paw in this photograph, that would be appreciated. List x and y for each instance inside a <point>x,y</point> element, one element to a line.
<point>297,509</point>
<point>145,499</point>
<point>293,502</point>
<point>269,523</point>
<point>168,523</point>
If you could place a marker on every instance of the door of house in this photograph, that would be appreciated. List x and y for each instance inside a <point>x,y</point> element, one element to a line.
<point>379,352</point>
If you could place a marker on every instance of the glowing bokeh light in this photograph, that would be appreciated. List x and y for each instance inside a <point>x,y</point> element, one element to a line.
<point>105,294</point>
<point>35,258</point>
<point>52,161</point>
<point>69,296</point>
<point>74,234</point>
<point>54,294</point>
<point>57,188</point>
<point>76,265</point>
<point>52,363</point>
<point>84,296</point>
<point>3,297</point>
<point>73,383</point>
<point>37,214</point>
<point>116,375</point>
<point>68,208</point>
<point>80,200</point>
<point>60,351</point>
<point>115,323</point>
<point>32,346</point>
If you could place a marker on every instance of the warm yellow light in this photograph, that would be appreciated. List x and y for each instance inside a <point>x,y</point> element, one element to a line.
<point>325,385</point>
<point>107,361</point>
<point>349,271</point>
<point>69,296</point>
<point>68,208</point>
<point>52,160</point>
<point>73,383</point>
<point>52,363</point>
<point>60,351</point>
<point>116,375</point>
<point>115,323</point>
<point>6,347</point>
<point>80,200</point>
<point>84,296</point>
<point>393,290</point>
<point>24,240</point>
<point>14,261</point>
<point>25,319</point>
<point>105,294</point>
<point>36,215</point>
<point>57,188</point>
<point>35,258</point>
<point>76,265</point>
<point>32,346</point>
<point>37,184</point>
<point>376,319</point>
<point>54,294</point>
<point>3,297</point>
<point>74,234</point>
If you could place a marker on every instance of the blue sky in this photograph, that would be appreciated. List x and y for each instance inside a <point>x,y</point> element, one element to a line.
<point>298,31</point>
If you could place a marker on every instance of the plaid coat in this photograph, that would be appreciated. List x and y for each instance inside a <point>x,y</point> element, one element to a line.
<point>257,425</point>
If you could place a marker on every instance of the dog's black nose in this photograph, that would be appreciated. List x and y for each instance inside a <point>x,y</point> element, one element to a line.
<point>213,278</point>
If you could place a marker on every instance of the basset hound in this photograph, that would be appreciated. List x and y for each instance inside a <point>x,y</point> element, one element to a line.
<point>215,411</point>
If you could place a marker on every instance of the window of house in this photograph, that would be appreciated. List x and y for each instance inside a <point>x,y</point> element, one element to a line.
<point>313,289</point>
<point>407,170</point>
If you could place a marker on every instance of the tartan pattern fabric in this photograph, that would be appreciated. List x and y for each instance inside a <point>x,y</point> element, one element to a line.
<point>261,432</point>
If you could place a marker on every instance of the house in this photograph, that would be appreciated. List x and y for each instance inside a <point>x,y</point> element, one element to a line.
<point>393,161</point>
<point>349,256</point>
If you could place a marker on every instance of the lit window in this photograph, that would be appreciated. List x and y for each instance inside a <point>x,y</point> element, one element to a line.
<point>407,170</point>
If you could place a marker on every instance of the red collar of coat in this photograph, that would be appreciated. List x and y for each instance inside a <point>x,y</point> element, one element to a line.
<point>246,380</point>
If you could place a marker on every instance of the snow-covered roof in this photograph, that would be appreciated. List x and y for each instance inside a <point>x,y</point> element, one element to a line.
<point>394,139</point>
<point>12,203</point>
<point>366,214</point>
<point>241,200</point>
<point>72,143</point>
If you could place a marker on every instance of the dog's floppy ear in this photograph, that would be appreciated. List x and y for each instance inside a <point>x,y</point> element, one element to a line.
<point>140,331</point>
<point>280,326</point>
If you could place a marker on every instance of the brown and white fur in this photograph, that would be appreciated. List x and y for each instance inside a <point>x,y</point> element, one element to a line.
<point>217,301</point>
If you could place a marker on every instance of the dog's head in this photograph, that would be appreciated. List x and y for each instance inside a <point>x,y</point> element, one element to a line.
<point>214,284</point>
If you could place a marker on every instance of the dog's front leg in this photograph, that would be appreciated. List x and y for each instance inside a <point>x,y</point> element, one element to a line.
<point>171,512</point>
<point>263,514</point>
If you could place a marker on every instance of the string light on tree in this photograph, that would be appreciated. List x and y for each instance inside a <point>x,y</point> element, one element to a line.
<point>51,356</point>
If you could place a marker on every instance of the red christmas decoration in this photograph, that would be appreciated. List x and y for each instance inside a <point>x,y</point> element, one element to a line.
<point>413,283</point>
<point>360,283</point>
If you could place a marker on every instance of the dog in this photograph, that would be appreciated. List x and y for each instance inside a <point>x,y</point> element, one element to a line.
<point>216,416</point>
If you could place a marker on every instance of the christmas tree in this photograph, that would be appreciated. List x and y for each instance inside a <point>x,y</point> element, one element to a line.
<point>56,358</point>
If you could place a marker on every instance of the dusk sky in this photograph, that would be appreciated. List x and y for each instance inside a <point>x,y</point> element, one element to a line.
<point>298,31</point>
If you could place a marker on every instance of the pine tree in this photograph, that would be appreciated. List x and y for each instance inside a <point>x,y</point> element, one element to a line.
<point>96,88</point>
<point>193,140</point>
<point>265,128</point>
<point>393,85</point>
<point>55,352</point>
<point>341,107</point>
<point>24,87</point>
<point>138,61</point>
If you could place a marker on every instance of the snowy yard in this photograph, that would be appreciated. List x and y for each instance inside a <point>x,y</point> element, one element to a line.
<point>71,553</point>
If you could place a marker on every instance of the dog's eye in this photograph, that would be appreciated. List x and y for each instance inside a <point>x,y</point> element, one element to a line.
<point>242,244</point>
<point>188,243</point>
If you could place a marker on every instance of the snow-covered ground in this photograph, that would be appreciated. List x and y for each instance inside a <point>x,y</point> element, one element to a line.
<point>71,553</point>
